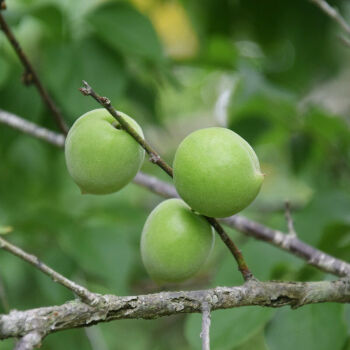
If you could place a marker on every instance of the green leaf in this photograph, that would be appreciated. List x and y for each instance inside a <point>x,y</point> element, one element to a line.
<point>86,60</point>
<point>126,30</point>
<point>4,70</point>
<point>256,342</point>
<point>319,327</point>
<point>229,328</point>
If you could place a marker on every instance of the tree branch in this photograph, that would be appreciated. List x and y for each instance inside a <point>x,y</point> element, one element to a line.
<point>30,341</point>
<point>32,129</point>
<point>248,227</point>
<point>157,159</point>
<point>75,313</point>
<point>30,76</point>
<point>205,335</point>
<point>83,293</point>
<point>336,17</point>
<point>333,14</point>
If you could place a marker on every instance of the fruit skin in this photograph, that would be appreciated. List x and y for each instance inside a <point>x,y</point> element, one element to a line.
<point>175,242</point>
<point>101,158</point>
<point>216,172</point>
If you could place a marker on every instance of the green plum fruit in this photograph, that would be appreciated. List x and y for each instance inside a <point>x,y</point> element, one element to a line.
<point>100,157</point>
<point>216,172</point>
<point>175,242</point>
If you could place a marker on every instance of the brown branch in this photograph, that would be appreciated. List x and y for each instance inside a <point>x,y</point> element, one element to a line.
<point>106,103</point>
<point>31,76</point>
<point>246,226</point>
<point>80,291</point>
<point>157,159</point>
<point>76,314</point>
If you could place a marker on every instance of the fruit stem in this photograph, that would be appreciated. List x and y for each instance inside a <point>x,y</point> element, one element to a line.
<point>157,159</point>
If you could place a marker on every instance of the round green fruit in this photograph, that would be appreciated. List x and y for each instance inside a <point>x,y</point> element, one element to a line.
<point>216,172</point>
<point>175,242</point>
<point>100,157</point>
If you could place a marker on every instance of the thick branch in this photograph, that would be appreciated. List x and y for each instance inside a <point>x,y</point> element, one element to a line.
<point>30,75</point>
<point>157,159</point>
<point>248,227</point>
<point>80,291</point>
<point>75,313</point>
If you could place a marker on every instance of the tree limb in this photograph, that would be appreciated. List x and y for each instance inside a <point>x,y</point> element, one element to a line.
<point>73,314</point>
<point>295,246</point>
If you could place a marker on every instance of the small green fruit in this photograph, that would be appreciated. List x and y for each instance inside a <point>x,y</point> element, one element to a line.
<point>100,157</point>
<point>175,242</point>
<point>216,172</point>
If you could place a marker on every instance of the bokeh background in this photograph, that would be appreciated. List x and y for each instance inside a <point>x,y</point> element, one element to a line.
<point>273,71</point>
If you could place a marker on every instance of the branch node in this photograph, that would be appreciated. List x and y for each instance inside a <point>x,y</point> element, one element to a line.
<point>2,5</point>
<point>154,158</point>
<point>27,78</point>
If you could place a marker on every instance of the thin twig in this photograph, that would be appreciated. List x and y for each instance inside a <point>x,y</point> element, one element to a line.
<point>80,291</point>
<point>205,334</point>
<point>290,223</point>
<point>157,159</point>
<point>75,314</point>
<point>344,40</point>
<point>30,75</point>
<point>333,13</point>
<point>279,239</point>
<point>30,128</point>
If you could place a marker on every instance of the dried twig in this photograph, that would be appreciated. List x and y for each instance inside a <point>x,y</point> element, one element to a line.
<point>30,76</point>
<point>83,293</point>
<point>157,159</point>
<point>246,226</point>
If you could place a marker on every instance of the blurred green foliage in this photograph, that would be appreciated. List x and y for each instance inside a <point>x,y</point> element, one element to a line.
<point>273,71</point>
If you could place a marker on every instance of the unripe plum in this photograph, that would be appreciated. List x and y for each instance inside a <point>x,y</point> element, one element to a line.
<point>100,157</point>
<point>175,242</point>
<point>216,172</point>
